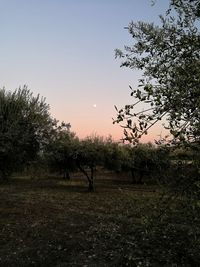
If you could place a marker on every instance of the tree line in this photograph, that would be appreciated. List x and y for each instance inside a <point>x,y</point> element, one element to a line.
<point>30,137</point>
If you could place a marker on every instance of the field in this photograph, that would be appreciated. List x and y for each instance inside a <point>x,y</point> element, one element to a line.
<point>52,222</point>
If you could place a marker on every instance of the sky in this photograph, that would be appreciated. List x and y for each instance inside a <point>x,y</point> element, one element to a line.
<point>64,50</point>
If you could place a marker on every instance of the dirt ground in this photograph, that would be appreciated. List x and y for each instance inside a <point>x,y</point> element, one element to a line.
<point>52,222</point>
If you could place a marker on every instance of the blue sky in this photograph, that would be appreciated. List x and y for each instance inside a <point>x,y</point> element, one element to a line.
<point>64,50</point>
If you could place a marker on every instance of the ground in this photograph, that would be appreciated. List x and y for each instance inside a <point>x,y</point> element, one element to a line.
<point>52,222</point>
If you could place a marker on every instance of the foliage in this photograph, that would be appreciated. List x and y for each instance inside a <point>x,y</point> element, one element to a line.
<point>149,161</point>
<point>25,128</point>
<point>168,56</point>
<point>89,153</point>
<point>66,153</point>
<point>170,245</point>
<point>190,10</point>
<point>117,157</point>
<point>60,150</point>
<point>142,161</point>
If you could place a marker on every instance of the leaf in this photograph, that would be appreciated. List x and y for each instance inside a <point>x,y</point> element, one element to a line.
<point>116,108</point>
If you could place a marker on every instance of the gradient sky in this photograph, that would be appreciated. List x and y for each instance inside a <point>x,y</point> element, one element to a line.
<point>64,50</point>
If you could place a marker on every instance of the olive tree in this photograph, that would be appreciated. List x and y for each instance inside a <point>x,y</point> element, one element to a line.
<point>116,157</point>
<point>66,153</point>
<point>25,128</point>
<point>89,154</point>
<point>168,55</point>
<point>149,162</point>
<point>60,151</point>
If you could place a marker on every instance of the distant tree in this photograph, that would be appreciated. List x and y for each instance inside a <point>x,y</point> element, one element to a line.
<point>66,153</point>
<point>88,154</point>
<point>25,128</point>
<point>115,157</point>
<point>60,151</point>
<point>169,57</point>
<point>149,161</point>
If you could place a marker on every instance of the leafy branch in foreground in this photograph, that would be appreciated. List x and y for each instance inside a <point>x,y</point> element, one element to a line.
<point>169,58</point>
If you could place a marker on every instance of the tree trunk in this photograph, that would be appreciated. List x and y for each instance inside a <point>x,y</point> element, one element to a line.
<point>141,175</point>
<point>91,186</point>
<point>90,180</point>
<point>133,175</point>
<point>66,175</point>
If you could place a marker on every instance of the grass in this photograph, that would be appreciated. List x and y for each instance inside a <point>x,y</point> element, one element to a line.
<point>52,222</point>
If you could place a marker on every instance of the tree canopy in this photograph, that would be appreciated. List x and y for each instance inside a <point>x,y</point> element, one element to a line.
<point>25,128</point>
<point>169,57</point>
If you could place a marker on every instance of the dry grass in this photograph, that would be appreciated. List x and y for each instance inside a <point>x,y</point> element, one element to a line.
<point>51,222</point>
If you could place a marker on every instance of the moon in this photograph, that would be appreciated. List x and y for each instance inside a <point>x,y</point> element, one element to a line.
<point>94,105</point>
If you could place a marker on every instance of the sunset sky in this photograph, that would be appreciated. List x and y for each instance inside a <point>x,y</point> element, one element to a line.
<point>64,50</point>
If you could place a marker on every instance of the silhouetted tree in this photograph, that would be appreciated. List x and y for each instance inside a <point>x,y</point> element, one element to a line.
<point>61,150</point>
<point>25,128</point>
<point>89,153</point>
<point>169,57</point>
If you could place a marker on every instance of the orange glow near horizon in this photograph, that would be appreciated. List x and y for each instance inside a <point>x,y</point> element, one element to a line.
<point>85,126</point>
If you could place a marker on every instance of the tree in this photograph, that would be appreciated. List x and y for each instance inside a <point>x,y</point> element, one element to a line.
<point>25,128</point>
<point>169,57</point>
<point>149,161</point>
<point>116,157</point>
<point>66,153</point>
<point>89,153</point>
<point>59,153</point>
